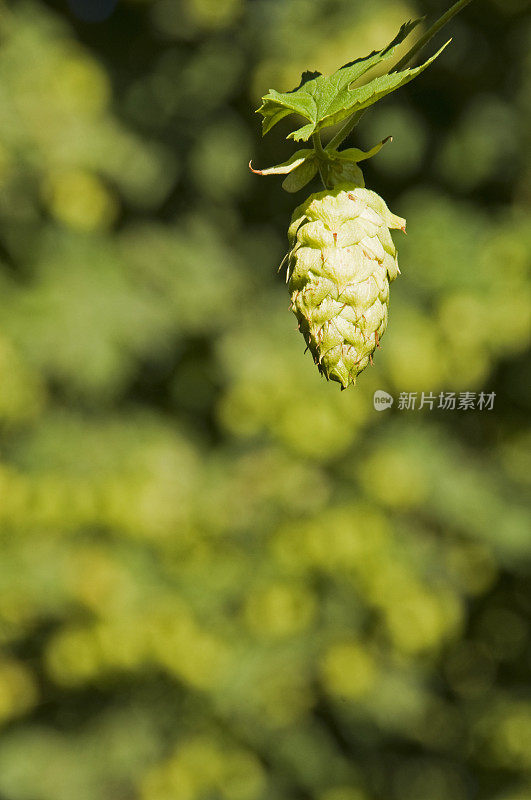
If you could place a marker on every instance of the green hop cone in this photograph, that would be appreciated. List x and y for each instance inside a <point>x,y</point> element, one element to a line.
<point>340,265</point>
<point>342,257</point>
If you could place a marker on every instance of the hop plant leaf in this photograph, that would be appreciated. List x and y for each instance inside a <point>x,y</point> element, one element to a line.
<point>300,169</point>
<point>337,167</point>
<point>324,101</point>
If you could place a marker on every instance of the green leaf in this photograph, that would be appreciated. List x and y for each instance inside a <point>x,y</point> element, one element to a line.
<point>316,94</point>
<point>302,175</point>
<point>349,101</point>
<point>355,154</point>
<point>275,106</point>
<point>299,169</point>
<point>292,163</point>
<point>340,170</point>
<point>342,166</point>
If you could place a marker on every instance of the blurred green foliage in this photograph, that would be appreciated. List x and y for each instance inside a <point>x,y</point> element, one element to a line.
<point>220,577</point>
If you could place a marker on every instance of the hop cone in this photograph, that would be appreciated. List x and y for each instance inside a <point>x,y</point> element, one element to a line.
<point>341,262</point>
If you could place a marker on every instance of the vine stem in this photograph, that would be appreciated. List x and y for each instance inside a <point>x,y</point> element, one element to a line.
<point>352,121</point>
<point>345,131</point>
<point>430,33</point>
<point>321,155</point>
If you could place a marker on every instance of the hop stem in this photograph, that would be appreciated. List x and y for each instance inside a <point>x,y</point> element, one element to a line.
<point>321,155</point>
<point>351,123</point>
<point>345,131</point>
<point>430,33</point>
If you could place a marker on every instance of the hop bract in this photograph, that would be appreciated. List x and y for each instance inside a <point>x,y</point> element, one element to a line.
<point>340,265</point>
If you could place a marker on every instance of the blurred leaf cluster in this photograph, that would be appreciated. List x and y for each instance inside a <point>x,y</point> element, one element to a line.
<point>220,577</point>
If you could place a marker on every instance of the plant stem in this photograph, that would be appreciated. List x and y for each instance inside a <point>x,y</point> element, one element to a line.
<point>430,33</point>
<point>343,132</point>
<point>321,155</point>
<point>352,121</point>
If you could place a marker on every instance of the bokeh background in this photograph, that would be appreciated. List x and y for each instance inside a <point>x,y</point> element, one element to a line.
<point>221,578</point>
